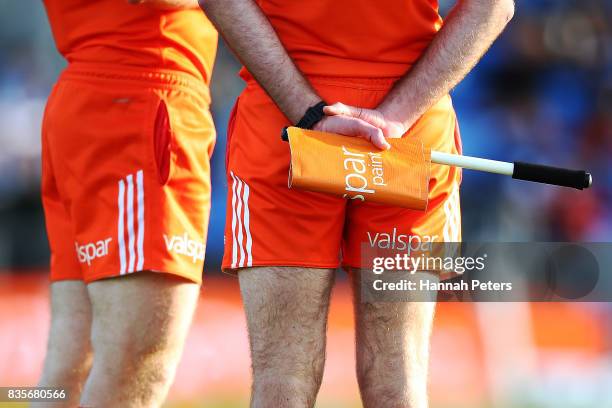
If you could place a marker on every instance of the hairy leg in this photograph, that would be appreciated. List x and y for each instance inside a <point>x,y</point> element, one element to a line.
<point>392,350</point>
<point>286,310</point>
<point>69,354</point>
<point>140,323</point>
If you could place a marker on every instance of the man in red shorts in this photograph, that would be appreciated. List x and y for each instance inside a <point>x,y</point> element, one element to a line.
<point>389,64</point>
<point>127,136</point>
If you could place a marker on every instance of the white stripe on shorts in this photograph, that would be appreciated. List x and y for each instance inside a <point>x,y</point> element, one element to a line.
<point>239,211</point>
<point>247,229</point>
<point>130,222</point>
<point>141,223</point>
<point>241,229</point>
<point>120,226</point>
<point>135,244</point>
<point>234,246</point>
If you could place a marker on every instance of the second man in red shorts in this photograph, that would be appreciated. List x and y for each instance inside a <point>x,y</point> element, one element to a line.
<point>127,136</point>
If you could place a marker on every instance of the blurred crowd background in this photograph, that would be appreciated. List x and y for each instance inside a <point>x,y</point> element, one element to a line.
<point>543,94</point>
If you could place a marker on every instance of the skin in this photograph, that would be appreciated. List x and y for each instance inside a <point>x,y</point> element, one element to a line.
<point>136,325</point>
<point>286,310</point>
<point>139,326</point>
<point>69,354</point>
<point>392,349</point>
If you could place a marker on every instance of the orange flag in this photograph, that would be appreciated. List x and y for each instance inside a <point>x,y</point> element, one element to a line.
<point>353,168</point>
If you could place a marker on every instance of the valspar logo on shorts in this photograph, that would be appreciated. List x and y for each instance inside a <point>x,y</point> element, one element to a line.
<point>353,168</point>
<point>401,242</point>
<point>86,253</point>
<point>183,245</point>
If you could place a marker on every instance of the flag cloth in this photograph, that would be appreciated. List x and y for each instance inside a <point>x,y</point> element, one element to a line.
<point>353,168</point>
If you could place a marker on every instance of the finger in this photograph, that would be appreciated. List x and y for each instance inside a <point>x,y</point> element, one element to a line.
<point>339,108</point>
<point>377,138</point>
<point>349,126</point>
<point>373,134</point>
<point>371,116</point>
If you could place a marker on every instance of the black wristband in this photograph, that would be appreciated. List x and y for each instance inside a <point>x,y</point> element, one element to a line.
<point>313,115</point>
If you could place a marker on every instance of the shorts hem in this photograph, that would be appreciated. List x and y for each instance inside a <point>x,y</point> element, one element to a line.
<point>53,279</point>
<point>99,276</point>
<point>289,264</point>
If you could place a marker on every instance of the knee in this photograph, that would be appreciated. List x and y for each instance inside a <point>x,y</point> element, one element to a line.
<point>153,359</point>
<point>139,373</point>
<point>68,357</point>
<point>151,348</point>
<point>134,373</point>
<point>380,394</point>
<point>392,391</point>
<point>69,372</point>
<point>66,368</point>
<point>287,380</point>
<point>390,380</point>
<point>288,370</point>
<point>273,390</point>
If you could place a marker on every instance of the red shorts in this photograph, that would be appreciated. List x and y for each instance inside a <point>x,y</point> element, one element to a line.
<point>269,224</point>
<point>126,183</point>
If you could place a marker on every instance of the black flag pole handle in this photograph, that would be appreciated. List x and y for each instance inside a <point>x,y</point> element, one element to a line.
<point>538,173</point>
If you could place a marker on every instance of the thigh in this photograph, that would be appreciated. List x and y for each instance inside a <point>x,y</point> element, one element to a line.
<point>69,353</point>
<point>69,335</point>
<point>286,311</point>
<point>139,327</point>
<point>144,311</point>
<point>392,340</point>
<point>70,311</point>
<point>380,324</point>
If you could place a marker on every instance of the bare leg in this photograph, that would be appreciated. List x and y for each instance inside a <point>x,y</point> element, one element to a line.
<point>286,311</point>
<point>140,323</point>
<point>392,351</point>
<point>69,354</point>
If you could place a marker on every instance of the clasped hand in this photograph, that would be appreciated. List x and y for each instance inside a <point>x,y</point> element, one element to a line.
<point>369,124</point>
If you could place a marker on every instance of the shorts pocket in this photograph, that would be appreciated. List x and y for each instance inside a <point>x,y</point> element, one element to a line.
<point>230,130</point>
<point>162,142</point>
